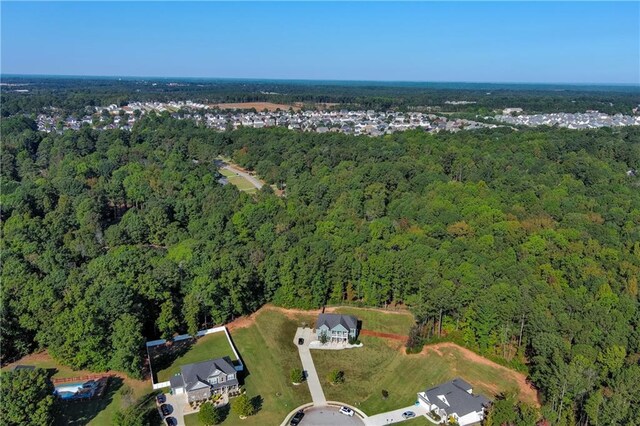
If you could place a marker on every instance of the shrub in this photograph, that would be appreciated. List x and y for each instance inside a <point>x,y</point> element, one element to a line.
<point>209,414</point>
<point>297,375</point>
<point>354,341</point>
<point>242,406</point>
<point>415,342</point>
<point>324,338</point>
<point>385,394</point>
<point>336,377</point>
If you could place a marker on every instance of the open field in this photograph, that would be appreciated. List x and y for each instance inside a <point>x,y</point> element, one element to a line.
<point>395,322</point>
<point>97,412</point>
<point>259,106</point>
<point>207,347</point>
<point>238,181</point>
<point>267,350</point>
<point>382,364</point>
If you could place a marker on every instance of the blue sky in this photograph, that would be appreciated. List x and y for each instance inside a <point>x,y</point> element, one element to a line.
<point>574,42</point>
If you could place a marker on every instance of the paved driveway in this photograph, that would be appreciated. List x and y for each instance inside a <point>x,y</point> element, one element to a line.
<point>252,180</point>
<point>177,403</point>
<point>317,394</point>
<point>394,416</point>
<point>328,416</point>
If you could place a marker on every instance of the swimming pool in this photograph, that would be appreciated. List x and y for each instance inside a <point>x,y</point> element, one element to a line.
<point>76,390</point>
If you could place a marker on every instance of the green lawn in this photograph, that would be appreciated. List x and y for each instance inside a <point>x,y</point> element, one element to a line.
<point>382,365</point>
<point>207,347</point>
<point>384,322</point>
<point>267,349</point>
<point>98,412</point>
<point>238,181</point>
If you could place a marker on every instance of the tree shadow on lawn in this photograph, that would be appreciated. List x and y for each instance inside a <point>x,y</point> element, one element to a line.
<point>257,402</point>
<point>82,412</point>
<point>163,356</point>
<point>245,371</point>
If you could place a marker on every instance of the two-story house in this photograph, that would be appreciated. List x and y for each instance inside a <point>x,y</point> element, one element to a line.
<point>455,399</point>
<point>203,379</point>
<point>337,328</point>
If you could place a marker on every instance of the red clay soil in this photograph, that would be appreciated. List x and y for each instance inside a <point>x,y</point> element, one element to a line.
<point>384,335</point>
<point>526,390</point>
<point>246,321</point>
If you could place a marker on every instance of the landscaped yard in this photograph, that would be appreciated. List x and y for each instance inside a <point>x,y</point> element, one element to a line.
<point>267,349</point>
<point>381,321</point>
<point>211,346</point>
<point>97,412</point>
<point>382,364</point>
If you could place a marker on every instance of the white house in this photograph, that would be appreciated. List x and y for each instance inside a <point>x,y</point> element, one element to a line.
<point>455,399</point>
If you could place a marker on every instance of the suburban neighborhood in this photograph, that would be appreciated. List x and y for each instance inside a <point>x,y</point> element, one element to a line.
<point>218,382</point>
<point>369,122</point>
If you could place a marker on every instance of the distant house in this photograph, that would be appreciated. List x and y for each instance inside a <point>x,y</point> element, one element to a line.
<point>201,380</point>
<point>338,328</point>
<point>455,399</point>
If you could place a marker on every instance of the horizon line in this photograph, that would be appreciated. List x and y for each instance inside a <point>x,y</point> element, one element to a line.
<point>112,76</point>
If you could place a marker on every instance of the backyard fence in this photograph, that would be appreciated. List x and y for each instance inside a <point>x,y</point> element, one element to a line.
<point>85,378</point>
<point>239,367</point>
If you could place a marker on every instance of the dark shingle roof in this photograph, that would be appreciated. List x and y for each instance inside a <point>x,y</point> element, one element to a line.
<point>331,320</point>
<point>193,374</point>
<point>459,400</point>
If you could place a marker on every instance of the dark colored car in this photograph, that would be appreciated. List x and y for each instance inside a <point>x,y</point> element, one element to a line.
<point>300,341</point>
<point>171,421</point>
<point>297,418</point>
<point>161,398</point>
<point>166,410</point>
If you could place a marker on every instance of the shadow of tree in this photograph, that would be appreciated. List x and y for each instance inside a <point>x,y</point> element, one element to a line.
<point>82,412</point>
<point>257,402</point>
<point>163,356</point>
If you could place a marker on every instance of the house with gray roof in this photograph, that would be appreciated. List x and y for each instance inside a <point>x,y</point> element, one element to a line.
<point>201,380</point>
<point>338,328</point>
<point>455,399</point>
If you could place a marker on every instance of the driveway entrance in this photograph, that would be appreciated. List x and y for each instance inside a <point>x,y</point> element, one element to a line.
<point>317,394</point>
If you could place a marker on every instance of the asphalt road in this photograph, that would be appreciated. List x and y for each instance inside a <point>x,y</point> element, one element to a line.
<point>328,416</point>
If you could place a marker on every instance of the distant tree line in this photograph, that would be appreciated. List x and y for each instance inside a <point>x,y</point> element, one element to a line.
<point>73,95</point>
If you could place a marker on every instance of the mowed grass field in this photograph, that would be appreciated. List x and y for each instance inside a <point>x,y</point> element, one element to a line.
<point>395,322</point>
<point>97,412</point>
<point>383,364</point>
<point>238,181</point>
<point>211,346</point>
<point>268,352</point>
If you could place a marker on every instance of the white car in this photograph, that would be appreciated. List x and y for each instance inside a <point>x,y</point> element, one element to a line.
<point>346,411</point>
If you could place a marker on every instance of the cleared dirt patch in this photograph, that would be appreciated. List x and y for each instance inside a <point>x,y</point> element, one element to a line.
<point>398,337</point>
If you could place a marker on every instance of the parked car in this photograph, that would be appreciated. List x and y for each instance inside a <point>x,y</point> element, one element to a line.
<point>408,415</point>
<point>161,398</point>
<point>171,421</point>
<point>297,418</point>
<point>166,410</point>
<point>346,411</point>
<point>300,341</point>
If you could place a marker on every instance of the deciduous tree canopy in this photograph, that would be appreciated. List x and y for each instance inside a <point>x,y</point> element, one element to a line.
<point>522,245</point>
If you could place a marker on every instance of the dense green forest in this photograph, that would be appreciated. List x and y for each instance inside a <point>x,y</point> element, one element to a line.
<point>74,94</point>
<point>523,245</point>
